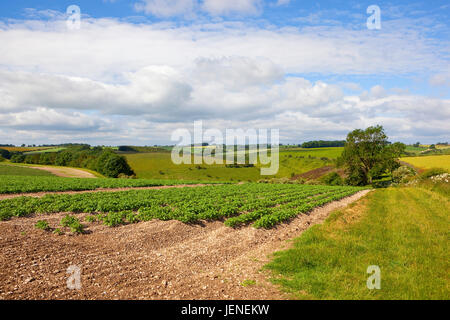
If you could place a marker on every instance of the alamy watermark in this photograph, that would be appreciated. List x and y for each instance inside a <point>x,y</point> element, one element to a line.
<point>374,280</point>
<point>74,20</point>
<point>237,146</point>
<point>374,21</point>
<point>74,279</point>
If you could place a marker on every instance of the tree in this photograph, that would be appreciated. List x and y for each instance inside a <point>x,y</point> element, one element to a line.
<point>111,165</point>
<point>5,154</point>
<point>368,154</point>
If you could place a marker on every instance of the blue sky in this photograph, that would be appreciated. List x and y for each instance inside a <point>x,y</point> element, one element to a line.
<point>137,70</point>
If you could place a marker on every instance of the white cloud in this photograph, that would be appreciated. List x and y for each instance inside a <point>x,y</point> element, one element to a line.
<point>221,7</point>
<point>153,89</point>
<point>43,119</point>
<point>133,83</point>
<point>238,91</point>
<point>167,8</point>
<point>106,47</point>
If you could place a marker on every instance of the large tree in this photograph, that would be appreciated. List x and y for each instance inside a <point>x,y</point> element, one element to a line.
<point>368,154</point>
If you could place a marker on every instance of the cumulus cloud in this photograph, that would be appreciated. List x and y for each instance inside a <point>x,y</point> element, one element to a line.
<point>106,47</point>
<point>134,83</point>
<point>151,90</point>
<point>235,90</point>
<point>47,119</point>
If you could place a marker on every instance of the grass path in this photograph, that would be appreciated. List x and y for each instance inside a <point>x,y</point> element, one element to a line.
<point>405,231</point>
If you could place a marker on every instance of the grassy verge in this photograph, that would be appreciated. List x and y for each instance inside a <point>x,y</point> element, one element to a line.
<point>404,231</point>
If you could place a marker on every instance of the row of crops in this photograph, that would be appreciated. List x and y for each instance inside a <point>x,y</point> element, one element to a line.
<point>264,205</point>
<point>23,184</point>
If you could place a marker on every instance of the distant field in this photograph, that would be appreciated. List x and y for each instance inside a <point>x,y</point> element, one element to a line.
<point>404,231</point>
<point>160,166</point>
<point>46,150</point>
<point>415,150</point>
<point>6,169</point>
<point>25,149</point>
<point>292,162</point>
<point>332,153</point>
<point>427,162</point>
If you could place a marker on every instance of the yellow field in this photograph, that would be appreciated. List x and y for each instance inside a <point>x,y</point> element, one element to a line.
<point>428,162</point>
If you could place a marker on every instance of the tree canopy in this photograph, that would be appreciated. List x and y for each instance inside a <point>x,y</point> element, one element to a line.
<point>368,154</point>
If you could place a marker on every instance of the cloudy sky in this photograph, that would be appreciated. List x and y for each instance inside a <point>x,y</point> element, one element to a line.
<point>135,71</point>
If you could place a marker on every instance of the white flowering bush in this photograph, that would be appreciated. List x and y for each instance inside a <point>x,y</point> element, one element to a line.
<point>444,177</point>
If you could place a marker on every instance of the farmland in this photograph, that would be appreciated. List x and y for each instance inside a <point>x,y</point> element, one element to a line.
<point>223,231</point>
<point>428,162</point>
<point>24,184</point>
<point>293,161</point>
<point>6,169</point>
<point>25,149</point>
<point>264,205</point>
<point>45,150</point>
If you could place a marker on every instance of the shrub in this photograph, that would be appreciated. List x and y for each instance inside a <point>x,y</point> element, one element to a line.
<point>403,174</point>
<point>17,158</point>
<point>5,154</point>
<point>111,165</point>
<point>2,159</point>
<point>432,172</point>
<point>124,176</point>
<point>332,179</point>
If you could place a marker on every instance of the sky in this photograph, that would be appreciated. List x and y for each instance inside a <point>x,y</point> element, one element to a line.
<point>132,72</point>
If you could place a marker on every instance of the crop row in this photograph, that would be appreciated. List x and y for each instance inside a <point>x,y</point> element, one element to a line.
<point>24,184</point>
<point>264,204</point>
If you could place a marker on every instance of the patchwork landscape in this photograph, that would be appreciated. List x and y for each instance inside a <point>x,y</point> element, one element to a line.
<point>225,156</point>
<point>161,214</point>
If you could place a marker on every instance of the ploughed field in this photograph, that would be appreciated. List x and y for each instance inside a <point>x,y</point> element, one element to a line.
<point>262,205</point>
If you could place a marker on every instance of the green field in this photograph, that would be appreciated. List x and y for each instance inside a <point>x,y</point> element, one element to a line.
<point>428,162</point>
<point>6,169</point>
<point>293,161</point>
<point>404,231</point>
<point>264,205</point>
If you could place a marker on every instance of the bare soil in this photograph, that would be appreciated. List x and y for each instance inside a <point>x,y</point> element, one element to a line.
<point>66,172</point>
<point>148,260</point>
